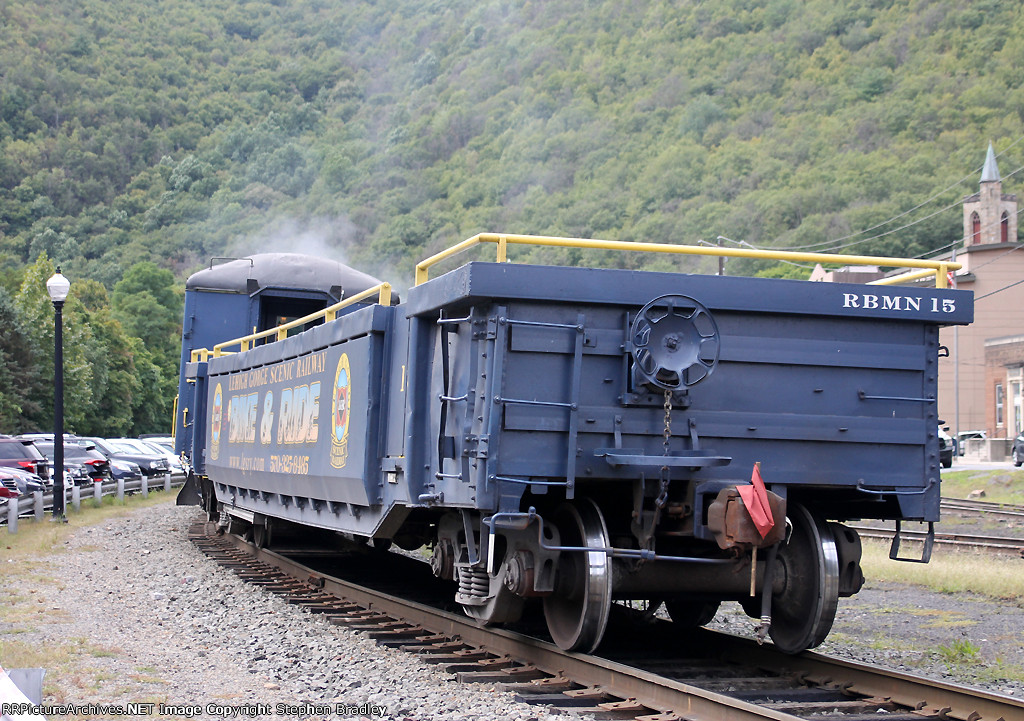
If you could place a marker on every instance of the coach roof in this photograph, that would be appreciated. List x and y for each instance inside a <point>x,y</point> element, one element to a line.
<point>281,270</point>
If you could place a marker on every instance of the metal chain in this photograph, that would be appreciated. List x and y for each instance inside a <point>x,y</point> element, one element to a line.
<point>667,432</point>
<point>662,498</point>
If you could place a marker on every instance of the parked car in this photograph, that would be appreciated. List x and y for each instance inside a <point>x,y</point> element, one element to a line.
<point>8,485</point>
<point>125,470</point>
<point>138,445</point>
<point>151,464</point>
<point>96,464</point>
<point>22,453</point>
<point>159,439</point>
<point>963,436</point>
<point>1018,450</point>
<point>945,449</point>
<point>75,474</point>
<point>28,483</point>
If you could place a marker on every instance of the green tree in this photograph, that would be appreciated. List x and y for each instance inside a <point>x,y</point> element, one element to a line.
<point>37,318</point>
<point>21,377</point>
<point>148,304</point>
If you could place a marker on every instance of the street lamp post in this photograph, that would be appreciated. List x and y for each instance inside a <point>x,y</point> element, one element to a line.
<point>58,286</point>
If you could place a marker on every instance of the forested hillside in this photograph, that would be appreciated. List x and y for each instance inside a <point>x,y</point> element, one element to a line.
<point>166,133</point>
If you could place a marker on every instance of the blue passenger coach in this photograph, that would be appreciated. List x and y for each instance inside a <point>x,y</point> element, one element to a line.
<point>582,435</point>
<point>245,295</point>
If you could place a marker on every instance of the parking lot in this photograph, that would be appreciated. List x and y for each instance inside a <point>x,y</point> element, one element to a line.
<point>91,466</point>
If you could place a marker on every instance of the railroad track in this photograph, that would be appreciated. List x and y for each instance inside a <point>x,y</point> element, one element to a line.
<point>989,544</point>
<point>1002,511</point>
<point>641,673</point>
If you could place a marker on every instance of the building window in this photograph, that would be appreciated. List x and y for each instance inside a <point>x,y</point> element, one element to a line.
<point>1004,228</point>
<point>975,228</point>
<point>1015,402</point>
<point>999,404</point>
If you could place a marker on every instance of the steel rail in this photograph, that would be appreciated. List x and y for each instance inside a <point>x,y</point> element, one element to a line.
<point>925,697</point>
<point>982,508</point>
<point>617,679</point>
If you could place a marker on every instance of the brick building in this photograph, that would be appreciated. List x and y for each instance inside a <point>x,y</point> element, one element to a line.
<point>1004,380</point>
<point>981,381</point>
<point>976,390</point>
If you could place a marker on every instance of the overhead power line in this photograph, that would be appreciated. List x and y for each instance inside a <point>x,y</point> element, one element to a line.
<point>836,244</point>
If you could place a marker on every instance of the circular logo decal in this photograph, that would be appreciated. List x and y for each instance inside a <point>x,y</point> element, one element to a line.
<point>216,415</point>
<point>341,412</point>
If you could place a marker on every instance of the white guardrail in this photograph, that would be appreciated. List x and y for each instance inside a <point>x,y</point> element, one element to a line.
<point>35,505</point>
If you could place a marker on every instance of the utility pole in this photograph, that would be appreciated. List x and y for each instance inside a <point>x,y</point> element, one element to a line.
<point>956,375</point>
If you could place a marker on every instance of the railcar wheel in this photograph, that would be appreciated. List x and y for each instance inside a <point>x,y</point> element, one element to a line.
<point>577,612</point>
<point>691,614</point>
<point>803,611</point>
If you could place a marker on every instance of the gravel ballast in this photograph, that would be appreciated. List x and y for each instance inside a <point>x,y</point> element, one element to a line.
<point>169,625</point>
<point>162,623</point>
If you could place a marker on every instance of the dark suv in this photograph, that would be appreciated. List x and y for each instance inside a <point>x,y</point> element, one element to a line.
<point>22,453</point>
<point>82,454</point>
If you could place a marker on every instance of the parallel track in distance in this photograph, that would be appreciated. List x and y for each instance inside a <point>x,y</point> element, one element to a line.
<point>960,541</point>
<point>968,506</point>
<point>1002,513</point>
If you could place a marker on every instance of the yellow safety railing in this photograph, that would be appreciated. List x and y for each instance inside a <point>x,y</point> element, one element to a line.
<point>382,291</point>
<point>918,275</point>
<point>936,268</point>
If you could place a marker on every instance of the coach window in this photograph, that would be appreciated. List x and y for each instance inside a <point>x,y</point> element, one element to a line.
<point>278,310</point>
<point>999,404</point>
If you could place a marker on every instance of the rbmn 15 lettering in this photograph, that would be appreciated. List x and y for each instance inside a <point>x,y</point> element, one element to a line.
<point>871,301</point>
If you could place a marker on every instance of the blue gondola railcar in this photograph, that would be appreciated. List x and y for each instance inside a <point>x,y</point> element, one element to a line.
<point>581,435</point>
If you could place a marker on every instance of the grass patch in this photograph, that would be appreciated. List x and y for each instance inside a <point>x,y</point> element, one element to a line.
<point>57,658</point>
<point>960,652</point>
<point>888,642</point>
<point>996,577</point>
<point>18,654</point>
<point>941,619</point>
<point>1000,673</point>
<point>29,581</point>
<point>999,486</point>
<point>950,623</point>
<point>148,678</point>
<point>39,538</point>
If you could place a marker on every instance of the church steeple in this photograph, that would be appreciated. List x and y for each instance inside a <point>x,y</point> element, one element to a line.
<point>990,173</point>
<point>990,215</point>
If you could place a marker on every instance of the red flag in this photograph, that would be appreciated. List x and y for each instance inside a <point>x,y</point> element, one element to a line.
<point>755,498</point>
